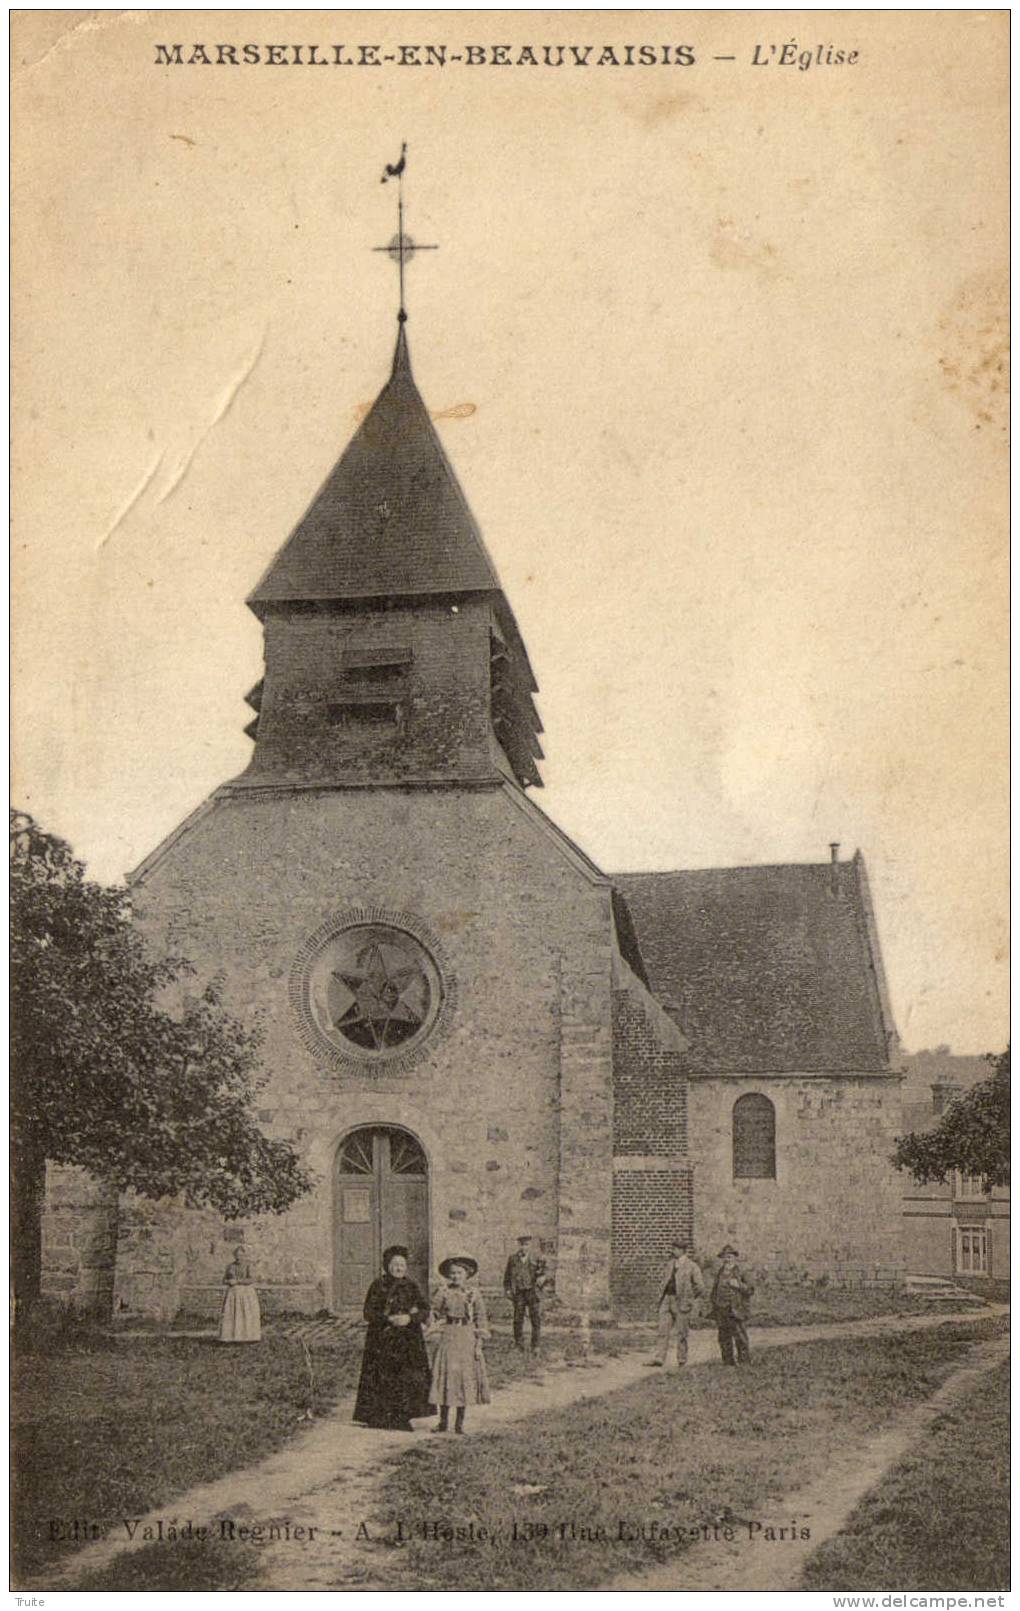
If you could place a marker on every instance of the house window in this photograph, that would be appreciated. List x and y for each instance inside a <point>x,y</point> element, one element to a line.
<point>754,1138</point>
<point>971,1250</point>
<point>968,1188</point>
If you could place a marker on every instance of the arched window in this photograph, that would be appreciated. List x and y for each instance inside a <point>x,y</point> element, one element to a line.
<point>754,1138</point>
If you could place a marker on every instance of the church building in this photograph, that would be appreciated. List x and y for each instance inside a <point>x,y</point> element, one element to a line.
<point>471,1031</point>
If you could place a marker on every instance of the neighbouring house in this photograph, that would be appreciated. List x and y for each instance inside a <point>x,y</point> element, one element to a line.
<point>959,1227</point>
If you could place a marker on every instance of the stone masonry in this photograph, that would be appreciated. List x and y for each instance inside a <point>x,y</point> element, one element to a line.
<point>511,1098</point>
<point>833,1208</point>
<point>79,1237</point>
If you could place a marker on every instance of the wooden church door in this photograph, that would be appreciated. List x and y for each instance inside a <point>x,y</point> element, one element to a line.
<point>382,1197</point>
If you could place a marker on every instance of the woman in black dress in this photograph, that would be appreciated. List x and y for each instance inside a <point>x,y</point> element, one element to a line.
<point>395,1373</point>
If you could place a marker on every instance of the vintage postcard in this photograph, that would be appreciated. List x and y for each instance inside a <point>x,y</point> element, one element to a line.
<point>509,835</point>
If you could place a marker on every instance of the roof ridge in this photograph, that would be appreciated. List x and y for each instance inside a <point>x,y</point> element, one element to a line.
<point>739,867</point>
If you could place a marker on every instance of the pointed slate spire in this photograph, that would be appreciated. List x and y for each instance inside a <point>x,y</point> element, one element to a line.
<point>390,520</point>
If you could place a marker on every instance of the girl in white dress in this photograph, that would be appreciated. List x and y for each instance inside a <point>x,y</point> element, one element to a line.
<point>461,1324</point>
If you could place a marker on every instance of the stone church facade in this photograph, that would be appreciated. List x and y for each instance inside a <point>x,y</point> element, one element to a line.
<point>470,1030</point>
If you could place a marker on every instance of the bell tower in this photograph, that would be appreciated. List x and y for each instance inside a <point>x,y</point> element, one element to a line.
<point>391,653</point>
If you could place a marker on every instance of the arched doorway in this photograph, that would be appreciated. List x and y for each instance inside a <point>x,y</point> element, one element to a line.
<point>381,1197</point>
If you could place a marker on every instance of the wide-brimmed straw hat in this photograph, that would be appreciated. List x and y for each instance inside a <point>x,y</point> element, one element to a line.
<point>470,1265</point>
<point>728,1252</point>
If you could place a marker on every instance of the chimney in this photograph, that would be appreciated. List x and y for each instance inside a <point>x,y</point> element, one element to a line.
<point>833,864</point>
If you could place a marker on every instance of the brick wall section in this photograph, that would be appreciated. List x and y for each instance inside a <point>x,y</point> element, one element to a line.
<point>240,891</point>
<point>650,1207</point>
<point>835,1206</point>
<point>650,1113</point>
<point>652,1187</point>
<point>79,1237</point>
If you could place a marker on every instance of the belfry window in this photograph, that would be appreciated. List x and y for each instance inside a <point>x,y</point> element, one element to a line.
<point>377,665</point>
<point>365,716</point>
<point>754,1138</point>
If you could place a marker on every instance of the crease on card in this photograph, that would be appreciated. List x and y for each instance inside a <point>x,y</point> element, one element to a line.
<point>90,23</point>
<point>142,487</point>
<point>223,407</point>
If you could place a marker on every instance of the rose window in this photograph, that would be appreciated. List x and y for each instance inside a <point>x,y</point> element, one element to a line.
<point>374,990</point>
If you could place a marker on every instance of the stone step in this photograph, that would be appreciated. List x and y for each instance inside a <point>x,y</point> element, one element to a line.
<point>940,1289</point>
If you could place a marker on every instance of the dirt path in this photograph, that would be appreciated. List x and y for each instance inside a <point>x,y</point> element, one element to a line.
<point>762,1566</point>
<point>328,1477</point>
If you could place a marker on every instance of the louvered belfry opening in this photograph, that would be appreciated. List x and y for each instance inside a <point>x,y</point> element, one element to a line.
<point>514,716</point>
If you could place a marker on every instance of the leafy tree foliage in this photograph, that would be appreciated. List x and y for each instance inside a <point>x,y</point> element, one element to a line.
<point>116,1064</point>
<point>972,1135</point>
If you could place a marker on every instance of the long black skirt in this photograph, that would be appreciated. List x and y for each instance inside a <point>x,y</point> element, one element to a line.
<point>395,1376</point>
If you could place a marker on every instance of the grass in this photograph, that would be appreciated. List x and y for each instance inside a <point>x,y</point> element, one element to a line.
<point>107,1427</point>
<point>808,1305</point>
<point>940,1518</point>
<point>626,1482</point>
<point>111,1428</point>
<point>188,1566</point>
<point>984,1286</point>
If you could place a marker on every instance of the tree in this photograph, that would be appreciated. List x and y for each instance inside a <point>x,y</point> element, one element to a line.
<point>119,1062</point>
<point>972,1135</point>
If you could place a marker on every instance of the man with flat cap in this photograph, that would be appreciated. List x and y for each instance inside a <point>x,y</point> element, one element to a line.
<point>523,1282</point>
<point>680,1287</point>
<point>730,1305</point>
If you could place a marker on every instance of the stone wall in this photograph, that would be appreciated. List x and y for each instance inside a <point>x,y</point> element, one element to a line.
<point>834,1207</point>
<point>79,1239</point>
<point>586,1134</point>
<point>154,1244</point>
<point>522,933</point>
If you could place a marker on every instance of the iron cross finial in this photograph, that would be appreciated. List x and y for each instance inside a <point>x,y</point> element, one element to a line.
<point>401,248</point>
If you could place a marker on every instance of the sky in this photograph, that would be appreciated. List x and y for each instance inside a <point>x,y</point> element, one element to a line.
<point>717,352</point>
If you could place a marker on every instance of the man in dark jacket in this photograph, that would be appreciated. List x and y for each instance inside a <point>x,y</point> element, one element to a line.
<point>730,1308</point>
<point>523,1282</point>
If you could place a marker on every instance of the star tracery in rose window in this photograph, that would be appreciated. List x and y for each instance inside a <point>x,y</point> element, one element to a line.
<point>382,1000</point>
